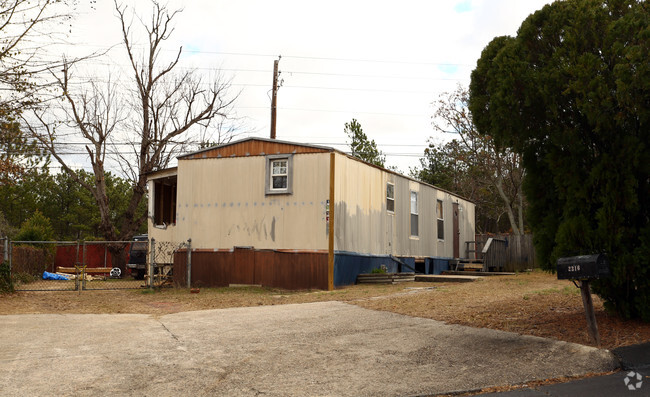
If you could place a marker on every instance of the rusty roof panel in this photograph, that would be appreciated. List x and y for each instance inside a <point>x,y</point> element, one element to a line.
<point>255,147</point>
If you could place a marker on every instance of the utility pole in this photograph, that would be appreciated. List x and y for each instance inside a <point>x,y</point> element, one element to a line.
<point>274,97</point>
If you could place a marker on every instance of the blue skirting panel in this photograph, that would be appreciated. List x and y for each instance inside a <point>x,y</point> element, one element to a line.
<point>348,265</point>
<point>437,265</point>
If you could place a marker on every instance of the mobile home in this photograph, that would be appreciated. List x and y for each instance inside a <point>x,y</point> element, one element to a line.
<point>294,215</point>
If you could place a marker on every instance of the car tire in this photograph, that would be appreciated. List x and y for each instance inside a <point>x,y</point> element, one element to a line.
<point>139,275</point>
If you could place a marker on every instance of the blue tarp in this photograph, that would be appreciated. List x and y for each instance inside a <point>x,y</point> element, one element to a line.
<point>53,276</point>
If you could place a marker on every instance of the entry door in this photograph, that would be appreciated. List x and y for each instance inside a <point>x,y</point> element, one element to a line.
<point>456,231</point>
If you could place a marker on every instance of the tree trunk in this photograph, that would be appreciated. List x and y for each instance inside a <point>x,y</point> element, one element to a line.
<point>520,197</point>
<point>508,206</point>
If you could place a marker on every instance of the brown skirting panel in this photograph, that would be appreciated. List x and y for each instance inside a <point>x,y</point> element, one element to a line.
<point>269,268</point>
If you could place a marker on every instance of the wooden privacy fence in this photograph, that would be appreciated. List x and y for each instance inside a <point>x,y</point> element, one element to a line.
<point>519,252</point>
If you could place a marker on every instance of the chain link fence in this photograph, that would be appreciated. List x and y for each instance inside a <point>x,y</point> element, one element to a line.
<point>32,266</point>
<point>90,265</point>
<point>70,265</point>
<point>161,254</point>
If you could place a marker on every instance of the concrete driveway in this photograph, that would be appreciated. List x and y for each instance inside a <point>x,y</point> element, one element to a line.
<point>318,349</point>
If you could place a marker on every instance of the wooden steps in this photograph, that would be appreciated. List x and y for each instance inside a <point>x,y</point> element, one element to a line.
<point>472,265</point>
<point>385,278</point>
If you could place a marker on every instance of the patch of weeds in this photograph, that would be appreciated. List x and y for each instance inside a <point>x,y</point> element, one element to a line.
<point>547,291</point>
<point>6,283</point>
<point>381,270</point>
<point>24,278</point>
<point>148,291</point>
<point>569,290</point>
<point>526,297</point>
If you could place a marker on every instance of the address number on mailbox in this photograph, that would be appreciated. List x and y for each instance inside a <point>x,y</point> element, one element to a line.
<point>583,267</point>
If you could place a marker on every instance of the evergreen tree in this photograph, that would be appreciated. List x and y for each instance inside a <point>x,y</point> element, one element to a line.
<point>362,147</point>
<point>571,93</point>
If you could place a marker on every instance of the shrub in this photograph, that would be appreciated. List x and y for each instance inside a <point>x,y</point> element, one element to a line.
<point>6,284</point>
<point>380,270</point>
<point>36,228</point>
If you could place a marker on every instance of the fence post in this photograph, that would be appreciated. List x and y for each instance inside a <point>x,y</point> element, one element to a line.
<point>11,255</point>
<point>76,258</point>
<point>76,280</point>
<point>152,258</point>
<point>189,263</point>
<point>6,249</point>
<point>83,259</point>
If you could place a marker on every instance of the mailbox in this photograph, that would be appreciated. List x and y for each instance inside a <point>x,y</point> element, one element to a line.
<point>582,267</point>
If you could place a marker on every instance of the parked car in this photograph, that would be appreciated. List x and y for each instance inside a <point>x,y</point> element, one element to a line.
<point>138,256</point>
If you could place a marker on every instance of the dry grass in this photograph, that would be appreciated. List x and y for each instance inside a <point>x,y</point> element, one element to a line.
<point>534,304</point>
<point>164,301</point>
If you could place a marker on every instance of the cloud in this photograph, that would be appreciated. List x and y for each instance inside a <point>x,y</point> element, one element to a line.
<point>382,62</point>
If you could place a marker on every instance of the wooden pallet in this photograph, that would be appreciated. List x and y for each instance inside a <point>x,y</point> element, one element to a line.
<point>72,270</point>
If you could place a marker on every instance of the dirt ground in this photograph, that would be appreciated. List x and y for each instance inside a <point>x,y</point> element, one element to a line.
<point>528,303</point>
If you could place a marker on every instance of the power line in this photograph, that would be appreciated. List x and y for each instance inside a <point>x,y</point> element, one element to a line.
<point>358,89</point>
<point>317,58</point>
<point>356,112</point>
<point>372,76</point>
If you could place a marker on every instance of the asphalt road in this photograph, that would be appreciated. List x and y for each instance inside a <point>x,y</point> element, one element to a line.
<point>318,349</point>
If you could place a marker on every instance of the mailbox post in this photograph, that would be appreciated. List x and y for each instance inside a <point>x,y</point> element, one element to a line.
<point>583,269</point>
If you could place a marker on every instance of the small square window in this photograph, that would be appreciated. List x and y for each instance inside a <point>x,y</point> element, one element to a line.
<point>279,174</point>
<point>390,197</point>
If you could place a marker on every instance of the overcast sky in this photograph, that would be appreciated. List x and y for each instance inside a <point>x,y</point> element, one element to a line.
<point>381,62</point>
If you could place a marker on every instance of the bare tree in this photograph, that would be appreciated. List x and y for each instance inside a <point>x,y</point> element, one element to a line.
<point>155,113</point>
<point>23,56</point>
<point>497,168</point>
<point>25,27</point>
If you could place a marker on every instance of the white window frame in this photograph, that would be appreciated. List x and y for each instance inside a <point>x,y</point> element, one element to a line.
<point>414,215</point>
<point>389,198</point>
<point>281,163</point>
<point>440,220</point>
<point>268,188</point>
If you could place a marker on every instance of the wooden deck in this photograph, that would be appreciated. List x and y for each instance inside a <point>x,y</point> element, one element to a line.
<point>470,273</point>
<point>442,278</point>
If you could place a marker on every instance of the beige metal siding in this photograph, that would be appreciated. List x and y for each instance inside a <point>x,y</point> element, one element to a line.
<point>222,203</point>
<point>363,224</point>
<point>359,193</point>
